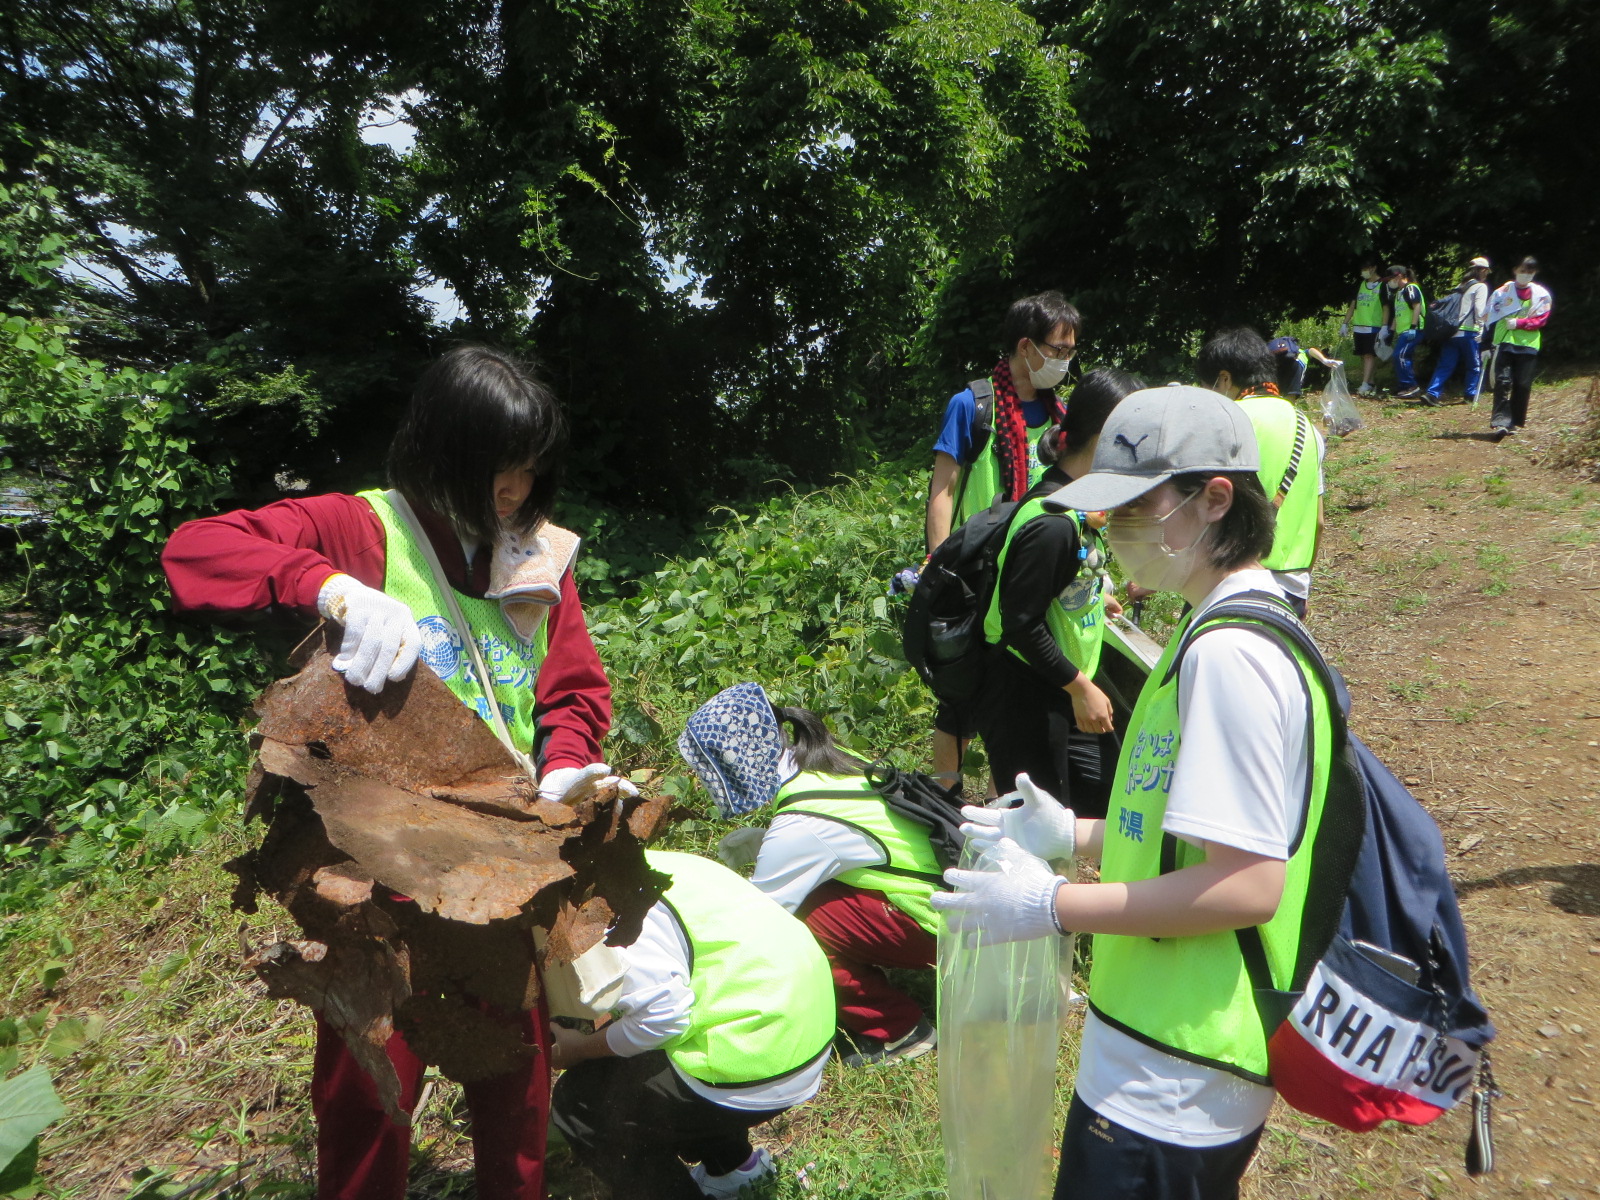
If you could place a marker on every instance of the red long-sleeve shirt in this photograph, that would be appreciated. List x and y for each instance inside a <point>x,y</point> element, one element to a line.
<point>278,557</point>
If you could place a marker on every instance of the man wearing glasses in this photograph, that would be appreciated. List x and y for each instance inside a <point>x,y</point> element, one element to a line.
<point>985,447</point>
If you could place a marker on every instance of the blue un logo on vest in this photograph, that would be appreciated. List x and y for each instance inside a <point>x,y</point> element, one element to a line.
<point>441,648</point>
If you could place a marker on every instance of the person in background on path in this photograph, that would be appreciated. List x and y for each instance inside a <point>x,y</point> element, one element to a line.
<point>1236,364</point>
<point>1040,336</point>
<point>1364,318</point>
<point>1292,362</point>
<point>478,458</point>
<point>836,855</point>
<point>1463,347</point>
<point>1219,803</point>
<point>725,1021</point>
<point>1039,710</point>
<point>1405,308</point>
<point>1517,337</point>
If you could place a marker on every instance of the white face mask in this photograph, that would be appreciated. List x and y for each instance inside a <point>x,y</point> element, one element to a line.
<point>1140,544</point>
<point>1370,276</point>
<point>1524,278</point>
<point>1051,373</point>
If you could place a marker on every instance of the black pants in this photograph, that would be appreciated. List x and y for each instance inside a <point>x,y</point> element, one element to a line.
<point>1028,727</point>
<point>633,1122</point>
<point>1513,382</point>
<point>1101,1160</point>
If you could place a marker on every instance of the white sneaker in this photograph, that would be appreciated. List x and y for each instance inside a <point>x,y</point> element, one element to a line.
<point>726,1187</point>
<point>1364,390</point>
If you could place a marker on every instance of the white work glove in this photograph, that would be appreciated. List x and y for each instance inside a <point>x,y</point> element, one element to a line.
<point>1040,825</point>
<point>1012,900</point>
<point>560,783</point>
<point>380,640</point>
<point>742,847</point>
<point>1344,329</point>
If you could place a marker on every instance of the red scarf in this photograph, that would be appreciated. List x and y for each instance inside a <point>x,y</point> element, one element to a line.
<point>1011,430</point>
<point>1260,389</point>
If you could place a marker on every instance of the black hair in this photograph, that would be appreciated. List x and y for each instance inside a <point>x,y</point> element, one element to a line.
<point>477,412</point>
<point>1088,407</point>
<point>1528,263</point>
<point>813,746</point>
<point>1370,260</point>
<point>1034,317</point>
<point>1245,532</point>
<point>1243,354</point>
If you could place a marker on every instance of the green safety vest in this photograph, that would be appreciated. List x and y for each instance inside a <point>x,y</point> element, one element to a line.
<point>1192,996</point>
<point>1369,305</point>
<point>911,873</point>
<point>1504,335</point>
<point>980,479</point>
<point>1276,422</point>
<point>408,578</point>
<point>1402,311</point>
<point>1077,617</point>
<point>763,991</point>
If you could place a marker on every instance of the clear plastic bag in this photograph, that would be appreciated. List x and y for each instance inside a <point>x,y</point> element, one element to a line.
<point>1338,409</point>
<point>1000,1014</point>
<point>1383,345</point>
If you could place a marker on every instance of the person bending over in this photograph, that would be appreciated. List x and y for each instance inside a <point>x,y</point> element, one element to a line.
<point>725,1021</point>
<point>836,854</point>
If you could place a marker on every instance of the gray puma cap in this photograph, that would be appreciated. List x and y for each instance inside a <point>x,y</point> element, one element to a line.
<point>1155,434</point>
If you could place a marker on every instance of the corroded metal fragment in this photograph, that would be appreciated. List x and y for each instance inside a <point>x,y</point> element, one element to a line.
<point>417,861</point>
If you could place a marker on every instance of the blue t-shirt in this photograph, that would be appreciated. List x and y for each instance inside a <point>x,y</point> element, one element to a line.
<point>955,435</point>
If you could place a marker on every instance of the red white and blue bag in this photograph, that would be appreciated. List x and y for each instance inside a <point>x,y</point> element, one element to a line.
<point>1384,1023</point>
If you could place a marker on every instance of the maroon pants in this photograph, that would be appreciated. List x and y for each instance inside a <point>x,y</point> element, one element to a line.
<point>862,932</point>
<point>363,1155</point>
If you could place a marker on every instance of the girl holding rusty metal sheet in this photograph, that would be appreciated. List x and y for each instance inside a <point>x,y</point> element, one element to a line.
<point>462,539</point>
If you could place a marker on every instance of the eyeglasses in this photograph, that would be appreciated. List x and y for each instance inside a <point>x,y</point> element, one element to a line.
<point>1063,351</point>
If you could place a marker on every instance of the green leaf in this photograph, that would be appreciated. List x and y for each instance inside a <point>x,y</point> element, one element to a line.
<point>633,724</point>
<point>69,1036</point>
<point>16,1178</point>
<point>28,1104</point>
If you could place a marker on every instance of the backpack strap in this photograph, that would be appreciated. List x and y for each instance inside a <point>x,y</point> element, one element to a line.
<point>982,428</point>
<point>1301,425</point>
<point>1343,825</point>
<point>983,413</point>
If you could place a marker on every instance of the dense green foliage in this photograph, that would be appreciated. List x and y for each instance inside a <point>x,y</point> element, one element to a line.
<point>119,724</point>
<point>792,596</point>
<point>749,240</point>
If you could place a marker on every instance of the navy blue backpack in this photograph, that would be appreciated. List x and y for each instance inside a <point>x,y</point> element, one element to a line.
<point>1382,1023</point>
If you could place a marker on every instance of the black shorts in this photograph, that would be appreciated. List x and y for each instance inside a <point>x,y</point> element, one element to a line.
<point>1101,1160</point>
<point>1367,343</point>
<point>957,722</point>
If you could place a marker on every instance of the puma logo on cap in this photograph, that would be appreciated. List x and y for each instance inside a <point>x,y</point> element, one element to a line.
<point>1133,447</point>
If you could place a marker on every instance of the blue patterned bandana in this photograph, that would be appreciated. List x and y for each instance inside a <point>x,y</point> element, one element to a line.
<point>734,744</point>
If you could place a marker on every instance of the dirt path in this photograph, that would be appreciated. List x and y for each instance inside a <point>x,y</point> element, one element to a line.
<point>1461,595</point>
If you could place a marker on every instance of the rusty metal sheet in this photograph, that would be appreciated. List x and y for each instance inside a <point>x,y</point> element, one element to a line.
<point>463,864</point>
<point>402,839</point>
<point>415,734</point>
<point>356,986</point>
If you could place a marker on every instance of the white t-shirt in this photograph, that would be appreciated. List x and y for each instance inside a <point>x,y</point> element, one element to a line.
<point>1239,781</point>
<point>655,1006</point>
<point>800,853</point>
